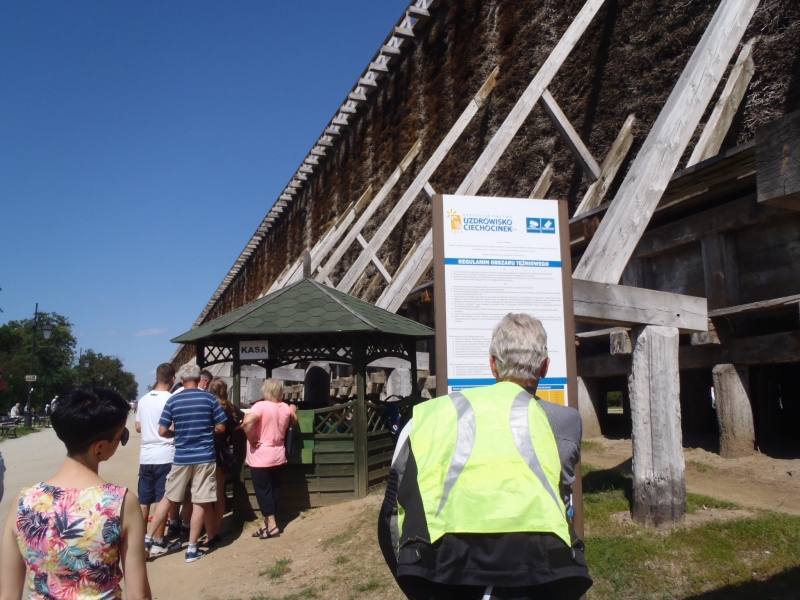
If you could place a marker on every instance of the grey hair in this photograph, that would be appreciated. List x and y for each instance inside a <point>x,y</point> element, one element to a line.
<point>272,389</point>
<point>189,372</point>
<point>519,347</point>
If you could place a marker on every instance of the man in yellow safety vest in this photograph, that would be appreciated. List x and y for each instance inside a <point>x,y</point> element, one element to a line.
<point>478,502</point>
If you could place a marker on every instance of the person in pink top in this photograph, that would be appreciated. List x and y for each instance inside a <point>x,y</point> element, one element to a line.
<point>265,426</point>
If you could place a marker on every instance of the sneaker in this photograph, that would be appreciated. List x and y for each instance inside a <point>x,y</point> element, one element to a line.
<point>214,542</point>
<point>193,556</point>
<point>159,549</point>
<point>148,546</point>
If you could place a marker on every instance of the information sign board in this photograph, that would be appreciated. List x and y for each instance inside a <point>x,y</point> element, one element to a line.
<point>493,256</point>
<point>30,378</point>
<point>253,350</point>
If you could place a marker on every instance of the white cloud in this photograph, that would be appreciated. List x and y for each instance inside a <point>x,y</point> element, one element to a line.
<point>149,332</point>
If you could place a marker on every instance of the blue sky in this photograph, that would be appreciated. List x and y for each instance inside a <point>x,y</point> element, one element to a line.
<point>141,143</point>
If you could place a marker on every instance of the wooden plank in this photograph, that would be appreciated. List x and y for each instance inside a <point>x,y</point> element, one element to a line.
<point>725,109</point>
<point>427,171</point>
<point>379,474</point>
<point>614,159</point>
<point>380,444</point>
<point>378,67</point>
<point>571,138</point>
<point>334,458</point>
<point>543,183</point>
<point>731,216</point>
<point>377,459</point>
<point>391,50</point>
<point>630,212</point>
<point>322,446</point>
<point>617,304</point>
<point>720,270</point>
<point>587,335</point>
<point>502,138</point>
<point>754,307</point>
<point>404,32</point>
<point>375,260</point>
<point>778,156</point>
<point>370,210</point>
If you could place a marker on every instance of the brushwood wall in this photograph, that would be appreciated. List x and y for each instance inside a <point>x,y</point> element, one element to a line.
<point>627,62</point>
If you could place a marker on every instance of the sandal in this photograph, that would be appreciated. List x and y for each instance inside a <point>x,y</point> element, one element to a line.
<point>270,533</point>
<point>260,533</point>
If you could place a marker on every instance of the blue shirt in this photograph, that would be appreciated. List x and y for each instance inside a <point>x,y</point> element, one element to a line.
<point>194,413</point>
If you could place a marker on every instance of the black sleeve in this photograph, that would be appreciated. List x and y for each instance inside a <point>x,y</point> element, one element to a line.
<point>387,513</point>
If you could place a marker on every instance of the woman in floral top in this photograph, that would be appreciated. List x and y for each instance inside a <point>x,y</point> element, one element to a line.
<point>72,532</point>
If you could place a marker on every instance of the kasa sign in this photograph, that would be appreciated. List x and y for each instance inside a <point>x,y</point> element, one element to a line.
<point>253,350</point>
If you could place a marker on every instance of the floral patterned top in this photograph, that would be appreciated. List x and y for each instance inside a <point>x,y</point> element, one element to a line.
<point>70,540</point>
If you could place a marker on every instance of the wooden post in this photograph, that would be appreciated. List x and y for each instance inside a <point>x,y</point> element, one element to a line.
<point>659,481</point>
<point>543,183</point>
<point>587,406</point>
<point>200,354</point>
<point>778,160</point>
<point>360,441</point>
<point>236,372</point>
<point>412,357</point>
<point>734,413</point>
<point>630,212</point>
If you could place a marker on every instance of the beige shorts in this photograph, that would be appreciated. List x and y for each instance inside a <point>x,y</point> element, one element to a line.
<point>203,478</point>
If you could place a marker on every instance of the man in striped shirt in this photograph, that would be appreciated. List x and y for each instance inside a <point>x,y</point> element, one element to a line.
<point>192,416</point>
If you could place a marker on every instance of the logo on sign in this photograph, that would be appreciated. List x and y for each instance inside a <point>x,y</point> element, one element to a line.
<point>253,350</point>
<point>537,225</point>
<point>456,223</point>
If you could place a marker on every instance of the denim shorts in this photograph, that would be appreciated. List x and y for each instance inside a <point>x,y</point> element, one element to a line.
<point>152,480</point>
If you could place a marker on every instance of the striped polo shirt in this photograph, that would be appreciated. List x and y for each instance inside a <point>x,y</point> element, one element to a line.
<point>194,413</point>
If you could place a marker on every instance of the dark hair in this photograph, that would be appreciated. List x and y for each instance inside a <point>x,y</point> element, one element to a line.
<point>85,415</point>
<point>207,374</point>
<point>164,373</point>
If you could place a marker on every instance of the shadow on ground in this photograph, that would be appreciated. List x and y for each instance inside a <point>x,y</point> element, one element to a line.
<point>783,586</point>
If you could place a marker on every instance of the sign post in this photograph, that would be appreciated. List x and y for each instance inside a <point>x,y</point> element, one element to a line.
<point>493,256</point>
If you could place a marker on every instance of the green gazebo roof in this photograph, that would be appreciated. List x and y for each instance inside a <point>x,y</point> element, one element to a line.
<point>306,307</point>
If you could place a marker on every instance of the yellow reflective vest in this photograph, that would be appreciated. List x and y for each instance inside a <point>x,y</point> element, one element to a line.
<point>487,462</point>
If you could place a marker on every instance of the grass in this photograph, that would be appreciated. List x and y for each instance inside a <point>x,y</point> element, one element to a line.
<point>306,592</point>
<point>341,560</point>
<point>757,557</point>
<point>700,466</point>
<point>277,570</point>
<point>590,445</point>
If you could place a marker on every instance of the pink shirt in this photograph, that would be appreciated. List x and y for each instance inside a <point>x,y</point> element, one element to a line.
<point>274,420</point>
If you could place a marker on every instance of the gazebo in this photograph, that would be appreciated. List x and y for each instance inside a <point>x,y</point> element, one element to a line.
<point>346,447</point>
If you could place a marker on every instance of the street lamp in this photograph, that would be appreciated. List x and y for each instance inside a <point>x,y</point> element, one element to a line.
<point>47,331</point>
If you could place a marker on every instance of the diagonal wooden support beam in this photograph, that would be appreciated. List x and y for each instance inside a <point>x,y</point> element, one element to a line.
<point>630,212</point>
<point>394,217</point>
<point>373,206</point>
<point>571,138</point>
<point>614,159</point>
<point>725,110</point>
<point>543,184</point>
<point>481,169</point>
<point>414,266</point>
<point>375,260</point>
<point>494,150</point>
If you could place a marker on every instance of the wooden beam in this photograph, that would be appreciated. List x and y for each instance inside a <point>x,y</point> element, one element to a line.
<point>373,206</point>
<point>543,183</point>
<point>488,159</point>
<point>332,131</point>
<point>737,436</point>
<point>756,307</point>
<point>368,82</point>
<point>384,273</point>
<point>778,157</point>
<point>324,142</point>
<point>630,212</point>
<point>391,50</point>
<point>404,32</point>
<point>418,13</point>
<point>614,159</point>
<point>378,67</point>
<point>417,264</point>
<point>348,110</point>
<point>425,173</point>
<point>306,169</point>
<point>726,107</point>
<point>622,305</point>
<point>571,138</point>
<point>340,122</point>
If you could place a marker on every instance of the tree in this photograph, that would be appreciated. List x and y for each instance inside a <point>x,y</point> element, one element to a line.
<point>54,364</point>
<point>107,372</point>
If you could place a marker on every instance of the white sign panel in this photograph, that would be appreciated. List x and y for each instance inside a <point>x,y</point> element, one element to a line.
<point>253,350</point>
<point>501,255</point>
